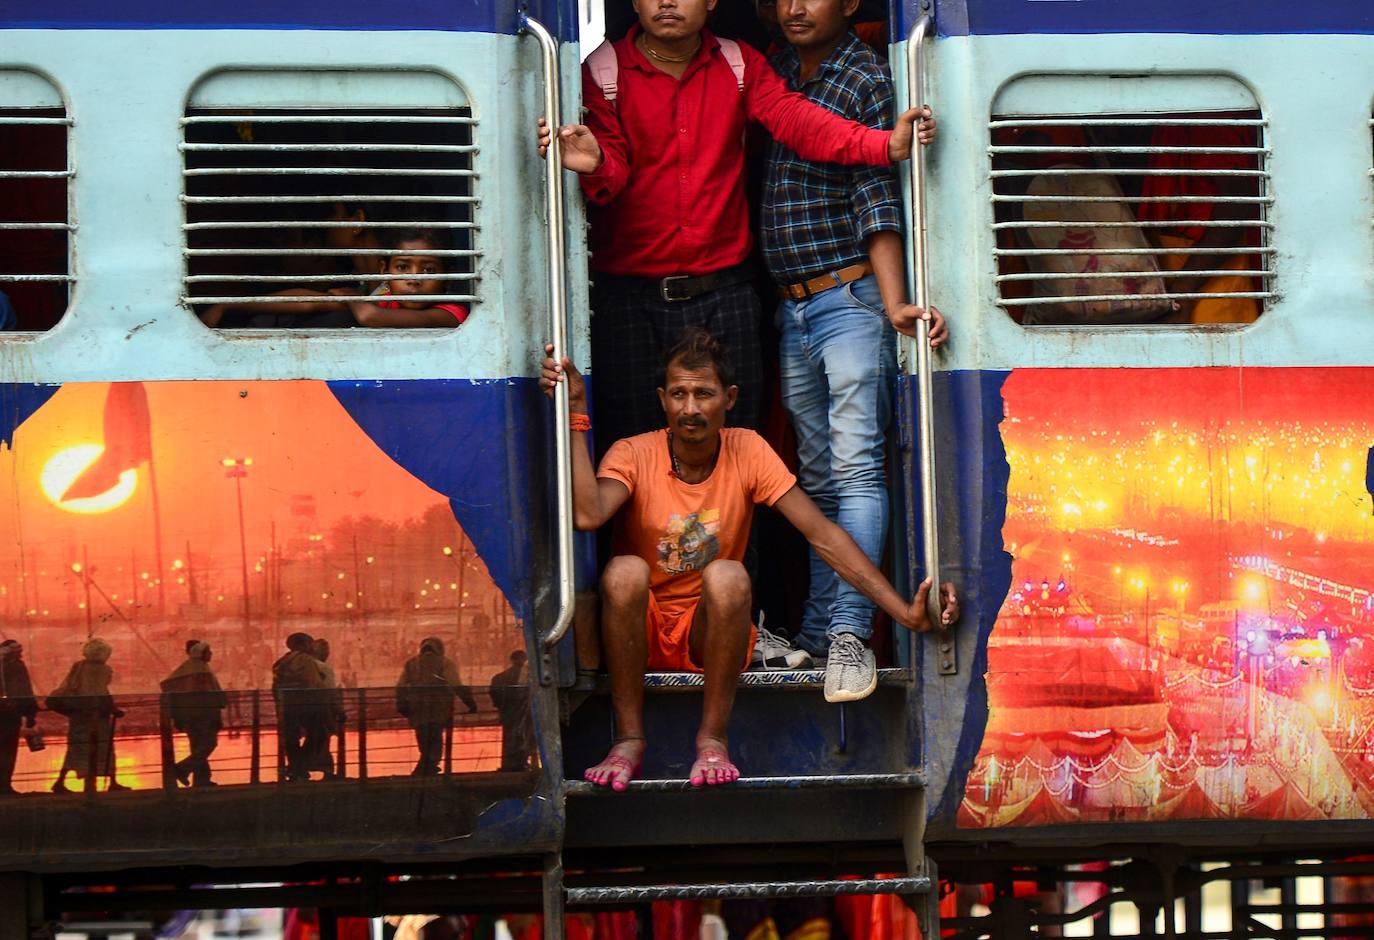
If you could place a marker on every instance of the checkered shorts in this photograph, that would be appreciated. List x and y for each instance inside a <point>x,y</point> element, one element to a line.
<point>633,326</point>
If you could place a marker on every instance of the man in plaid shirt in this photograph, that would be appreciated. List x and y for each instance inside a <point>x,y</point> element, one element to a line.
<point>831,237</point>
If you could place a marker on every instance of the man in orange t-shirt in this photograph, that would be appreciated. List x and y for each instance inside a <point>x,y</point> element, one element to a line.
<point>676,595</point>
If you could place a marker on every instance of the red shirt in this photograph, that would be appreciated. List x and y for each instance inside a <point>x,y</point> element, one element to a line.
<point>669,195</point>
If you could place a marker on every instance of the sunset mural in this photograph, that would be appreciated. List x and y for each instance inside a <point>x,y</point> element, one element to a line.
<point>235,513</point>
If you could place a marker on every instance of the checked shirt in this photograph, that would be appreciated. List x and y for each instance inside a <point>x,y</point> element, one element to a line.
<point>817,216</point>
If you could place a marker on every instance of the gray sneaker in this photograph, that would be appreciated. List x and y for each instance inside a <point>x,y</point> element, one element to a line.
<point>851,672</point>
<point>775,652</point>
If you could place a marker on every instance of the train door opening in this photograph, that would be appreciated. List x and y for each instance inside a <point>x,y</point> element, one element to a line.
<point>781,572</point>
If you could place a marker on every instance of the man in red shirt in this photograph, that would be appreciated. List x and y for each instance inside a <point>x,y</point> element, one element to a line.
<point>676,596</point>
<point>662,167</point>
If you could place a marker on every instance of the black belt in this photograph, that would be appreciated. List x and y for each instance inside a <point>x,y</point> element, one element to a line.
<point>679,287</point>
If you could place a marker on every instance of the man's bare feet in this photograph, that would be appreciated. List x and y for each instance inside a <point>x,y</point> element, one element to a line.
<point>713,764</point>
<point>620,766</point>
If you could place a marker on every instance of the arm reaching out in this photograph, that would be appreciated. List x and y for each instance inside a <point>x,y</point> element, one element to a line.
<point>595,500</point>
<point>840,552</point>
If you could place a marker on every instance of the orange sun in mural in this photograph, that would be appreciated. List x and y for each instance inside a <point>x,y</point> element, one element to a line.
<point>64,467</point>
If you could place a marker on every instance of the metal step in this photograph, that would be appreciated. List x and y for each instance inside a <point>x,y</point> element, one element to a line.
<point>758,890</point>
<point>815,781</point>
<point>788,678</point>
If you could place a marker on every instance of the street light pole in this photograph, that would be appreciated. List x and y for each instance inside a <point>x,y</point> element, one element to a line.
<point>83,568</point>
<point>236,468</point>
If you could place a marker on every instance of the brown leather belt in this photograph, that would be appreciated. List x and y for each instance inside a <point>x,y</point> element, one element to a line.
<point>824,282</point>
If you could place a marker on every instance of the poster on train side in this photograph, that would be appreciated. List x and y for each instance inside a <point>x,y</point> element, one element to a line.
<point>228,584</point>
<point>1189,630</point>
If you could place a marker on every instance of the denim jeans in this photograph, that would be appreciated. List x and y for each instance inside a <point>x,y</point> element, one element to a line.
<point>838,363</point>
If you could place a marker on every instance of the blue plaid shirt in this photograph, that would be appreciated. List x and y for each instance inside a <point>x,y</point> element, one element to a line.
<point>817,216</point>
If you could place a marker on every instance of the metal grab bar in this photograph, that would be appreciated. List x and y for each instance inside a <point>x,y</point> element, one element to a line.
<point>558,332</point>
<point>920,275</point>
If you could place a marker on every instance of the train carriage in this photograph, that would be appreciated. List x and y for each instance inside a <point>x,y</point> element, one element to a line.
<point>1143,459</point>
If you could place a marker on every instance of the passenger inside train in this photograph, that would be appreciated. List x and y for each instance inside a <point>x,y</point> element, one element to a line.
<point>1131,219</point>
<point>289,210</point>
<point>831,224</point>
<point>679,598</point>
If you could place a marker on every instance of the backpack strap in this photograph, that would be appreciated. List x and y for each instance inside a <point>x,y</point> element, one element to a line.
<point>605,69</point>
<point>730,49</point>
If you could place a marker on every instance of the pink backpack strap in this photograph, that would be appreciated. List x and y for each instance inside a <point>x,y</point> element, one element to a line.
<point>605,69</point>
<point>730,49</point>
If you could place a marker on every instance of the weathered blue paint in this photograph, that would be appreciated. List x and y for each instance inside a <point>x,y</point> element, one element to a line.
<point>17,402</point>
<point>973,473</point>
<point>1222,17</point>
<point>486,16</point>
<point>471,441</point>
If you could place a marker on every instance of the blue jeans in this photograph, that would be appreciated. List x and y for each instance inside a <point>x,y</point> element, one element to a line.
<point>838,363</point>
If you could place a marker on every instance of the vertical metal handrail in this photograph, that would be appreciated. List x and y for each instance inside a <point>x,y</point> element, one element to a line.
<point>920,274</point>
<point>558,332</point>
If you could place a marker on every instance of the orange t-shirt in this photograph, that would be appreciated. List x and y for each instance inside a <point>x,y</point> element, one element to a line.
<point>679,528</point>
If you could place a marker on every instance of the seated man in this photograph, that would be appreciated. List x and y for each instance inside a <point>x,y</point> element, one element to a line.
<point>675,595</point>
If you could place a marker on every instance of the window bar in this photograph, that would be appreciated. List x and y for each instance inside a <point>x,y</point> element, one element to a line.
<point>1056,148</point>
<point>1121,171</point>
<point>328,148</point>
<point>1093,298</point>
<point>264,199</point>
<point>1253,200</point>
<point>321,171</point>
<point>325,119</point>
<point>331,252</point>
<point>1133,223</point>
<point>1106,275</point>
<point>1059,252</point>
<point>316,278</point>
<point>332,298</point>
<point>1128,122</point>
<point>299,224</point>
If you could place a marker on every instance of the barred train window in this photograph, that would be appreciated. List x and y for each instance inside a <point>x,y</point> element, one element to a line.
<point>34,226</point>
<point>330,199</point>
<point>1132,218</point>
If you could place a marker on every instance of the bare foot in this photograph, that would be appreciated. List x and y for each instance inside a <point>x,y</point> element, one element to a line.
<point>713,764</point>
<point>620,766</point>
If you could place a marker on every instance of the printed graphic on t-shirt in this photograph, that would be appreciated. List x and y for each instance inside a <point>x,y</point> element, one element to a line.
<point>689,543</point>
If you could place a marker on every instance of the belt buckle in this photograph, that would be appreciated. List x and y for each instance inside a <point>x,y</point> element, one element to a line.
<point>665,289</point>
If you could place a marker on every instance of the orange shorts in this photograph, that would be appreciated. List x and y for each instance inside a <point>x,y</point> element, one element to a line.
<point>670,639</point>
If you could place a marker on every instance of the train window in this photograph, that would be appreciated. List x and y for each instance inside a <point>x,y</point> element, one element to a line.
<point>34,224</point>
<point>1131,217</point>
<point>314,200</point>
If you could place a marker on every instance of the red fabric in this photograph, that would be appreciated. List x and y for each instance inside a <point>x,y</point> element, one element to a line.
<point>669,196</point>
<point>616,925</point>
<point>300,924</point>
<point>355,928</point>
<point>1184,185</point>
<point>128,441</point>
<point>460,312</point>
<point>677,920</point>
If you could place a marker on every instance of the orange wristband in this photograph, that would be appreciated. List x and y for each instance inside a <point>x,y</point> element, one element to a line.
<point>579,422</point>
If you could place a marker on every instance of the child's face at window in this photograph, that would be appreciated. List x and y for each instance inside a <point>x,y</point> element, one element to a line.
<point>414,273</point>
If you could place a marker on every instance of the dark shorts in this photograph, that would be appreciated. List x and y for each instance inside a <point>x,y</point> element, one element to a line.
<point>632,326</point>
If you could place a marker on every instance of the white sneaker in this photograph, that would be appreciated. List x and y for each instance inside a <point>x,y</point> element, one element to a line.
<point>776,652</point>
<point>851,672</point>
